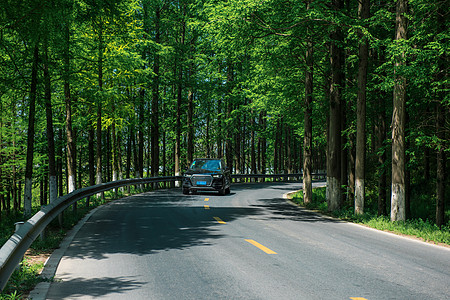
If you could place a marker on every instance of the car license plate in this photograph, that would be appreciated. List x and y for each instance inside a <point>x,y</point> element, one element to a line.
<point>201,182</point>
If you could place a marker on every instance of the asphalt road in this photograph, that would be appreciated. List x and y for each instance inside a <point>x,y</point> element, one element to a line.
<point>251,244</point>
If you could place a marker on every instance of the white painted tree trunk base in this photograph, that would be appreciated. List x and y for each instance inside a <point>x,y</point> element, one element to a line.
<point>71,183</point>
<point>98,180</point>
<point>398,196</point>
<point>359,196</point>
<point>177,183</point>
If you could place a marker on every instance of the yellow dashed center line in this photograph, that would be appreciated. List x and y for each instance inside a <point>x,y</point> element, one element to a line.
<point>358,298</point>
<point>261,247</point>
<point>206,199</point>
<point>206,206</point>
<point>219,220</point>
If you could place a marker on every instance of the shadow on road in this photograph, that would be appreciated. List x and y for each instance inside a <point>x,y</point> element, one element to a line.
<point>149,224</point>
<point>97,287</point>
<point>280,209</point>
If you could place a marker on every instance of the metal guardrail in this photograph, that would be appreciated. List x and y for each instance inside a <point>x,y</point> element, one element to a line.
<point>296,176</point>
<point>14,249</point>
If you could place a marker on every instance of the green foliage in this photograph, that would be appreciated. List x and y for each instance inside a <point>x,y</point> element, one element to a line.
<point>23,279</point>
<point>318,202</point>
<point>243,63</point>
<point>13,296</point>
<point>416,227</point>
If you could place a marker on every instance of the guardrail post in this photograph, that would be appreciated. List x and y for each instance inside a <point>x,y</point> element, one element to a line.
<point>17,227</point>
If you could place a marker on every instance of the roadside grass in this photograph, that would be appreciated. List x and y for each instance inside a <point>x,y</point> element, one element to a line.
<point>27,276</point>
<point>417,227</point>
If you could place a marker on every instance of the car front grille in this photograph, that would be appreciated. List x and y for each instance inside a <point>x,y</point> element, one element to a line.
<point>201,180</point>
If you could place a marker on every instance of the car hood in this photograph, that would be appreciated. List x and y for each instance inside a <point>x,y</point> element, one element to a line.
<point>202,171</point>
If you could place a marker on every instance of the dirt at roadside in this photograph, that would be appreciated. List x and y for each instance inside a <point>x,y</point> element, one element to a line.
<point>34,257</point>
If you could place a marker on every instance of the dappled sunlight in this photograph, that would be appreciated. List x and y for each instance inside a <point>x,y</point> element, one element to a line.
<point>150,225</point>
<point>280,209</point>
<point>96,287</point>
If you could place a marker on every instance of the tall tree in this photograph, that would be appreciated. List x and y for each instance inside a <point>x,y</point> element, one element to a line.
<point>30,135</point>
<point>50,133</point>
<point>98,179</point>
<point>398,192</point>
<point>334,134</point>
<point>363,14</point>
<point>179,70</point>
<point>441,166</point>
<point>155,98</point>
<point>70,145</point>
<point>307,139</point>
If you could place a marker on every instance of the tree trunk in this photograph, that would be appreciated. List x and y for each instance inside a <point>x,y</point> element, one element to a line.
<point>398,192</point>
<point>155,102</point>
<point>50,134</point>
<point>119,157</point>
<point>115,172</point>
<point>69,134</point>
<point>141,120</point>
<point>30,138</point>
<point>108,154</point>
<point>441,132</point>
<point>219,131</point>
<point>276,148</point>
<point>288,150</point>
<point>262,120</point>
<point>178,124</point>
<point>129,152</point>
<point>441,166</point>
<point>363,13</point>
<point>179,104</point>
<point>229,107</point>
<point>190,114</point>
<point>351,168</point>
<point>59,164</point>
<point>334,134</point>
<point>254,170</point>
<point>307,117</point>
<point>208,138</point>
<point>91,158</point>
<point>237,146</point>
<point>344,150</point>
<point>15,193</point>
<point>98,179</point>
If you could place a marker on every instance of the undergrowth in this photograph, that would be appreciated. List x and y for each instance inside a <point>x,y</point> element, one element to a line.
<point>417,227</point>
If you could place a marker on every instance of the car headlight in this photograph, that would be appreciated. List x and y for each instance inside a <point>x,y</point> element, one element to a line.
<point>217,176</point>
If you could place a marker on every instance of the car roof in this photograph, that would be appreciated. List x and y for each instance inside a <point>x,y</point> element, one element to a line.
<point>207,158</point>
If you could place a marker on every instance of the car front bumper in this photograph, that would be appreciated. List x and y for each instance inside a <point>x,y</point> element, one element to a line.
<point>203,183</point>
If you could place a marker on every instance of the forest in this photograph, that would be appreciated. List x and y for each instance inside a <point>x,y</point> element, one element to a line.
<point>94,91</point>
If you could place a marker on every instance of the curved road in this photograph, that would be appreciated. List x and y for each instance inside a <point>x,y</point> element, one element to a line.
<point>251,244</point>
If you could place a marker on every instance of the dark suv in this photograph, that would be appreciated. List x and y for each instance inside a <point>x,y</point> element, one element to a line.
<point>207,174</point>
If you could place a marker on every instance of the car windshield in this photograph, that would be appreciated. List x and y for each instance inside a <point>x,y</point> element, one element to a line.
<point>206,164</point>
